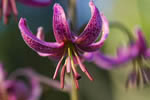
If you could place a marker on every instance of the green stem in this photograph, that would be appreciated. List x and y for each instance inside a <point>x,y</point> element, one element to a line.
<point>74,92</point>
<point>72,13</point>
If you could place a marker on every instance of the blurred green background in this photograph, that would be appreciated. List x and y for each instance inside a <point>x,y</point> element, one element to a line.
<point>107,85</point>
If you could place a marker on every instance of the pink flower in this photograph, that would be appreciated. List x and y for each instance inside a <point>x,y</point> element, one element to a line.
<point>13,87</point>
<point>8,6</point>
<point>68,45</point>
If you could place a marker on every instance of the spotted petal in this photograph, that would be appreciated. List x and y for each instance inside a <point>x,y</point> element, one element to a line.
<point>60,25</point>
<point>93,28</point>
<point>97,45</point>
<point>40,35</point>
<point>39,3</point>
<point>37,44</point>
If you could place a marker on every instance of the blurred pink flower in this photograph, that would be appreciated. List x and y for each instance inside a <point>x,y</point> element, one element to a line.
<point>8,6</point>
<point>14,88</point>
<point>137,52</point>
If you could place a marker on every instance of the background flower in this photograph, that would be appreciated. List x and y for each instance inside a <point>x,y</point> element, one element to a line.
<point>8,7</point>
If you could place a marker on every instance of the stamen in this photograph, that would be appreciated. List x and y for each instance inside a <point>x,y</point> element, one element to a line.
<point>14,9</point>
<point>58,67</point>
<point>76,81</point>
<point>89,75</point>
<point>68,64</point>
<point>62,76</point>
<point>5,11</point>
<point>77,76</point>
<point>83,68</point>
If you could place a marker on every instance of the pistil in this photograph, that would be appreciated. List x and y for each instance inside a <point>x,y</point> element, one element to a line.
<point>70,65</point>
<point>83,68</point>
<point>77,76</point>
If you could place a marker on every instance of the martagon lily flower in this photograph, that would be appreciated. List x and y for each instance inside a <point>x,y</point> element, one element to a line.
<point>137,52</point>
<point>68,46</point>
<point>8,6</point>
<point>13,89</point>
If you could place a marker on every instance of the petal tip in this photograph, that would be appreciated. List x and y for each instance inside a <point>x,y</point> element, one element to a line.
<point>40,28</point>
<point>91,3</point>
<point>56,6</point>
<point>22,21</point>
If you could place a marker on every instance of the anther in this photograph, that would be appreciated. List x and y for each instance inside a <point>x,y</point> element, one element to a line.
<point>62,76</point>
<point>58,67</point>
<point>68,62</point>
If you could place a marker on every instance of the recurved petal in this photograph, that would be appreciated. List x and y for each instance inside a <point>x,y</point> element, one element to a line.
<point>110,62</point>
<point>40,35</point>
<point>60,25</point>
<point>37,44</point>
<point>50,55</point>
<point>56,57</point>
<point>97,45</point>
<point>141,42</point>
<point>93,28</point>
<point>131,51</point>
<point>126,54</point>
<point>39,3</point>
<point>102,61</point>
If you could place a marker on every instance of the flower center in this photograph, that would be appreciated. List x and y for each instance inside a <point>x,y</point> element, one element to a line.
<point>70,66</point>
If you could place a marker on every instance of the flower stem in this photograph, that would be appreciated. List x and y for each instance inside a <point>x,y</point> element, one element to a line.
<point>123,28</point>
<point>72,13</point>
<point>74,92</point>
